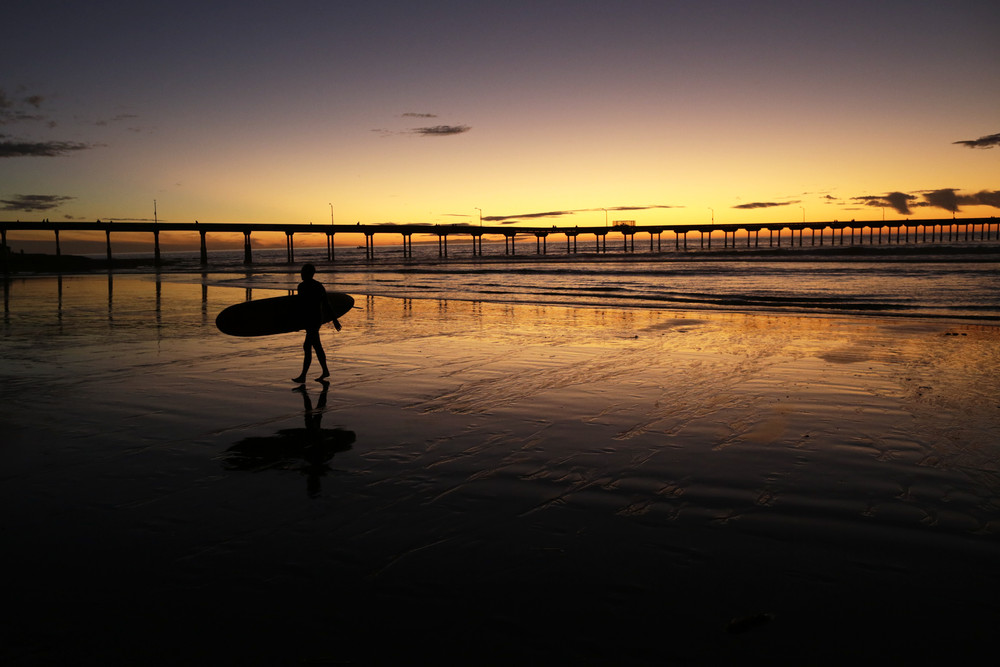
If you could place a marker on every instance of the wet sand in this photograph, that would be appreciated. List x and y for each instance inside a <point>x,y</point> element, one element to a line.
<point>492,484</point>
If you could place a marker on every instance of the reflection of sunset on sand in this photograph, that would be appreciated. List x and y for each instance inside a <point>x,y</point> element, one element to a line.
<point>548,483</point>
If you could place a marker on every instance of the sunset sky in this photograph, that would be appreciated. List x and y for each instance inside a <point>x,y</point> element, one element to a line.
<point>427,112</point>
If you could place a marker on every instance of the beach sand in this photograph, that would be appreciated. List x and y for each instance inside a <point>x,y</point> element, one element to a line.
<point>487,483</point>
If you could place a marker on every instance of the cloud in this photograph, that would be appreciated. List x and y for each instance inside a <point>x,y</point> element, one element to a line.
<point>25,108</point>
<point>15,110</point>
<point>440,130</point>
<point>633,208</point>
<point>950,200</point>
<point>431,131</point>
<point>511,219</point>
<point>989,141</point>
<point>117,119</point>
<point>944,198</point>
<point>427,131</point>
<point>30,203</point>
<point>988,198</point>
<point>10,148</point>
<point>900,201</point>
<point>764,204</point>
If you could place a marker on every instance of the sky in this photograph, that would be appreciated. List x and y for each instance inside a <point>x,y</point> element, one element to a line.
<point>553,113</point>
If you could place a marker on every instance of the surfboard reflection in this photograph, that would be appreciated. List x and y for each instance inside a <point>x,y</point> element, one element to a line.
<point>308,450</point>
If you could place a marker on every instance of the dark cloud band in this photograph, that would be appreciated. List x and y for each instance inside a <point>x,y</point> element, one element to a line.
<point>31,203</point>
<point>948,199</point>
<point>989,141</point>
<point>40,148</point>
<point>762,204</point>
<point>440,130</point>
<point>510,219</point>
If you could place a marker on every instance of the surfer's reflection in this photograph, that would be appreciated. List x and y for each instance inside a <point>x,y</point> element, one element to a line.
<point>307,450</point>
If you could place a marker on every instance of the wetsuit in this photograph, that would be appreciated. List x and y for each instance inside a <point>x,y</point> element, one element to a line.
<point>314,305</point>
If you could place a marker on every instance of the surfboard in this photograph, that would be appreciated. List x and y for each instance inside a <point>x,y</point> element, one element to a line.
<point>276,315</point>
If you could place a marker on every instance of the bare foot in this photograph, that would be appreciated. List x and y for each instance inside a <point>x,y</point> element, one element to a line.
<point>323,376</point>
<point>300,379</point>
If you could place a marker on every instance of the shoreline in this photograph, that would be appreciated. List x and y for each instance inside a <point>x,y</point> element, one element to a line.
<point>46,264</point>
<point>248,284</point>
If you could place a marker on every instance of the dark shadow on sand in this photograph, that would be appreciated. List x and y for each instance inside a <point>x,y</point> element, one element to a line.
<point>308,449</point>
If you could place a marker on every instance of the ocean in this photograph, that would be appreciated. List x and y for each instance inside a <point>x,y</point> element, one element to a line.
<point>958,280</point>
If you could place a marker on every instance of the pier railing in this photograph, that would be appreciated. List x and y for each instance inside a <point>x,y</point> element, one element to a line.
<point>946,230</point>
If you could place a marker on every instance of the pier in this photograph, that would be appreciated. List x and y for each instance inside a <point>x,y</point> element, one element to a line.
<point>623,236</point>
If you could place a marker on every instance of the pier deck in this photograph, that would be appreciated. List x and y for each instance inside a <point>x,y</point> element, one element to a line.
<point>794,233</point>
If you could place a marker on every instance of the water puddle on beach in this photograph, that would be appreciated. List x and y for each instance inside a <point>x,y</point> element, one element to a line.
<point>581,472</point>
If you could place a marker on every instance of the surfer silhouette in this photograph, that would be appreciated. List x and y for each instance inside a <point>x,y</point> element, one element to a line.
<point>312,294</point>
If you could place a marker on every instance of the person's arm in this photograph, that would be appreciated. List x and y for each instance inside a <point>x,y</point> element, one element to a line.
<point>326,309</point>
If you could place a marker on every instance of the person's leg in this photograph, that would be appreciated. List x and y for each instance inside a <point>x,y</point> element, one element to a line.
<point>307,346</point>
<point>321,358</point>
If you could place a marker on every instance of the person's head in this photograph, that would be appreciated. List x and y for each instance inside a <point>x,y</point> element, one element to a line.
<point>308,271</point>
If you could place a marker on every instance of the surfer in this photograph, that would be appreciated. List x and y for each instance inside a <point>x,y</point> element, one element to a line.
<point>313,297</point>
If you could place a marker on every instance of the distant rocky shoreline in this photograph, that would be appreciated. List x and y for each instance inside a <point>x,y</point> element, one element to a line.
<point>43,263</point>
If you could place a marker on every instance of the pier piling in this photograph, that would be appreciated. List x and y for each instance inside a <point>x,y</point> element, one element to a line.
<point>857,233</point>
